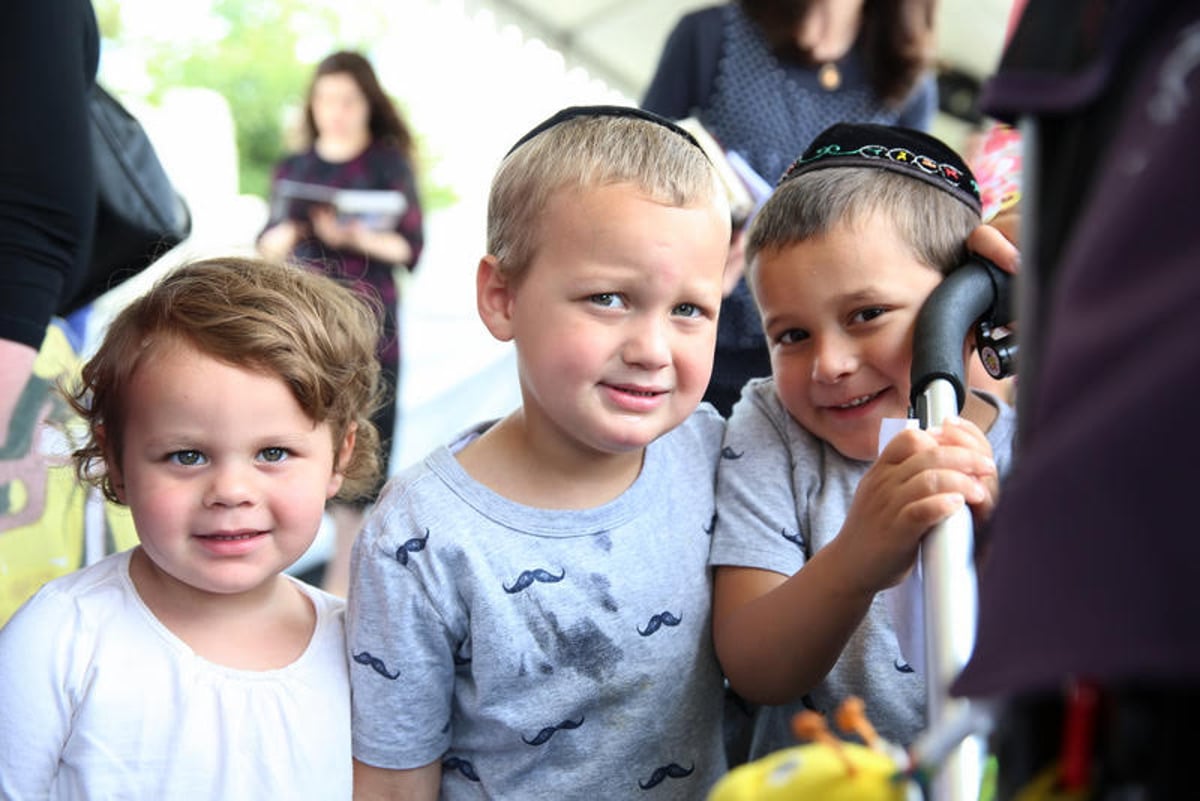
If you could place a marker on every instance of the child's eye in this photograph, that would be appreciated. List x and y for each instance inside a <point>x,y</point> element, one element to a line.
<point>792,336</point>
<point>608,300</point>
<point>687,310</point>
<point>186,458</point>
<point>273,454</point>
<point>868,314</point>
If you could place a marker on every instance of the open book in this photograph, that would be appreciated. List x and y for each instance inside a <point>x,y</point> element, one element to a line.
<point>378,209</point>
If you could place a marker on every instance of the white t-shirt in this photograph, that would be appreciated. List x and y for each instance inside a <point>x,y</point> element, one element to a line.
<point>98,700</point>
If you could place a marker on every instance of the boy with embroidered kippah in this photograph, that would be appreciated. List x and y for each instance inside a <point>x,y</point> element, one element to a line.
<point>529,606</point>
<point>815,522</point>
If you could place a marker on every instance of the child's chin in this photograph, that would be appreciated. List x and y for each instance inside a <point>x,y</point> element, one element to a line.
<point>860,449</point>
<point>636,438</point>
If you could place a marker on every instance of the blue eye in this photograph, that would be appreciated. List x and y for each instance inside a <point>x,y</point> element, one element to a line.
<point>688,310</point>
<point>608,300</point>
<point>186,458</point>
<point>273,454</point>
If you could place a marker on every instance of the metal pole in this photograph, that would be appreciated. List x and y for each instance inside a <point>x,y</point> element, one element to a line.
<point>950,600</point>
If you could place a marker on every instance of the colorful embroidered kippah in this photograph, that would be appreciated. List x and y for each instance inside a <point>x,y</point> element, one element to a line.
<point>573,112</point>
<point>890,147</point>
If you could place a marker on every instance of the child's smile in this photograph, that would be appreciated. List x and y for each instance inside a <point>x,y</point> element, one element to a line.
<point>615,320</point>
<point>225,474</point>
<point>839,312</point>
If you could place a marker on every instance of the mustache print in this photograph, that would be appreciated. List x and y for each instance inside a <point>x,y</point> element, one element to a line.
<point>795,539</point>
<point>729,453</point>
<point>462,766</point>
<point>712,525</point>
<point>660,775</point>
<point>903,667</point>
<point>527,578</point>
<point>657,622</point>
<point>412,546</point>
<point>376,664</point>
<point>545,734</point>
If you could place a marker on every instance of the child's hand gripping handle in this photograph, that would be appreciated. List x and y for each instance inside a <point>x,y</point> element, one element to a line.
<point>977,291</point>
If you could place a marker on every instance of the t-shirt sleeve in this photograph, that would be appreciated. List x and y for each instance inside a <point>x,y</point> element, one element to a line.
<point>400,647</point>
<point>757,522</point>
<point>35,696</point>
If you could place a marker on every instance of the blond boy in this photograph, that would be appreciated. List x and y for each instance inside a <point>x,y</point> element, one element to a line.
<point>530,605</point>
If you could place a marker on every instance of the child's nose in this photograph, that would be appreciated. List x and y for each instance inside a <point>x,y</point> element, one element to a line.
<point>648,344</point>
<point>230,485</point>
<point>834,358</point>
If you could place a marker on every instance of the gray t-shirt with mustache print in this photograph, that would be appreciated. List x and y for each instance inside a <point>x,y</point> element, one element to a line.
<point>542,653</point>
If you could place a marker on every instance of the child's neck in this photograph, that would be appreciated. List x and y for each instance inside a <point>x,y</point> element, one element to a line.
<point>264,629</point>
<point>511,462</point>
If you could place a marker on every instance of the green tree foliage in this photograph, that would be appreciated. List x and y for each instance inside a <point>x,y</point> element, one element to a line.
<point>255,67</point>
<point>255,63</point>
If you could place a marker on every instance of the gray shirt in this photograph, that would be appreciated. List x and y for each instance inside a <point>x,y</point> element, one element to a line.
<point>542,653</point>
<point>783,494</point>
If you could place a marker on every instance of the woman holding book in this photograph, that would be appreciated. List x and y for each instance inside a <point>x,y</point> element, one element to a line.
<point>347,205</point>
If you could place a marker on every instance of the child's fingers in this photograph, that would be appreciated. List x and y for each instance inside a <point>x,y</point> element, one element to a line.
<point>906,444</point>
<point>926,512</point>
<point>965,459</point>
<point>935,481</point>
<point>960,431</point>
<point>995,242</point>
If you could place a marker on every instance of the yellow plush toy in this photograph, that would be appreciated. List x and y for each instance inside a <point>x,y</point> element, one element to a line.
<point>826,768</point>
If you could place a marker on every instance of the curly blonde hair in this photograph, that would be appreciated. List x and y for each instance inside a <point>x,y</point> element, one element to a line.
<point>316,335</point>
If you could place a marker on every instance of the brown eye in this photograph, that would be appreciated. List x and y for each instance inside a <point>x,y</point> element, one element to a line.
<point>792,336</point>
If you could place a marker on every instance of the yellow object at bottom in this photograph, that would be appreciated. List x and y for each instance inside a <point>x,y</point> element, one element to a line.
<point>816,771</point>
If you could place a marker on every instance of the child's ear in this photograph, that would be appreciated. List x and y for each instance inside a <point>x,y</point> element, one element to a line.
<point>494,298</point>
<point>341,461</point>
<point>111,465</point>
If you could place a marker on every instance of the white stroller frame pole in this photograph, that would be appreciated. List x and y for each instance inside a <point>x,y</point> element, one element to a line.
<point>950,605</point>
<point>976,291</point>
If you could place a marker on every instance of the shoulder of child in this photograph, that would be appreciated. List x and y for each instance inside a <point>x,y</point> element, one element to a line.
<point>326,603</point>
<point>706,423</point>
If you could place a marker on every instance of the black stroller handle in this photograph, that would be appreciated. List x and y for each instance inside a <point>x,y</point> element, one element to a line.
<point>977,290</point>
<point>976,294</point>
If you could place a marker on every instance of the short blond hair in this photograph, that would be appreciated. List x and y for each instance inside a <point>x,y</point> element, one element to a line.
<point>317,336</point>
<point>588,152</point>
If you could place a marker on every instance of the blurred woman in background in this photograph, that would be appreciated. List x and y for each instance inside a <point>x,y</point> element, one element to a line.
<point>356,139</point>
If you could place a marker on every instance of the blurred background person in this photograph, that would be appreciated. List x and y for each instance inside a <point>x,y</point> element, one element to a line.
<point>1091,646</point>
<point>764,77</point>
<point>47,185</point>
<point>356,139</point>
<point>47,212</point>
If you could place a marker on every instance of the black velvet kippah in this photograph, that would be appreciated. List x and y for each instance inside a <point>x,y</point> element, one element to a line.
<point>890,147</point>
<point>572,112</point>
